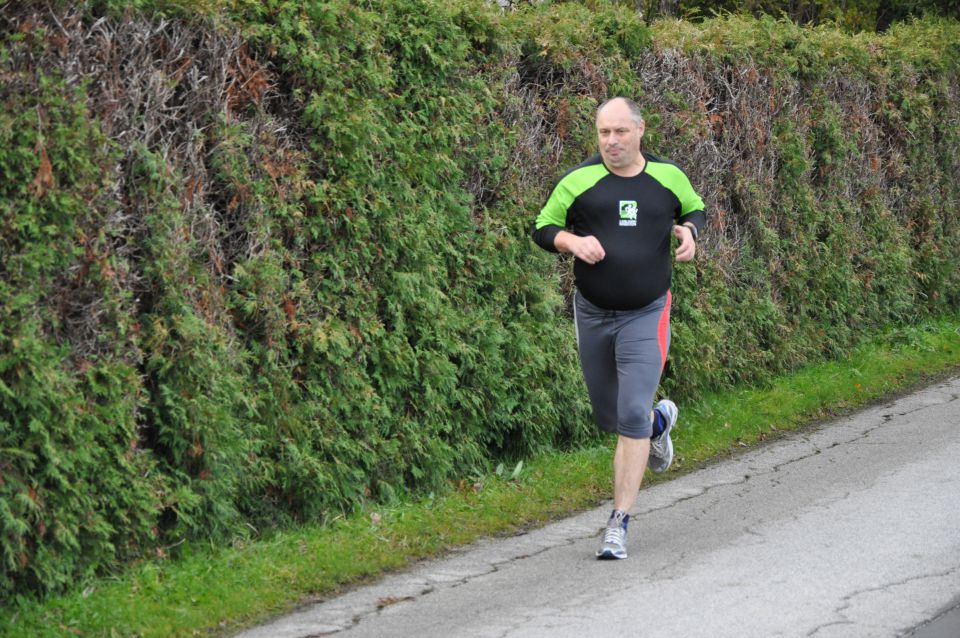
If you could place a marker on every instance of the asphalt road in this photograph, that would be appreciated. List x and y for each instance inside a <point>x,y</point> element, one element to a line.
<point>849,529</point>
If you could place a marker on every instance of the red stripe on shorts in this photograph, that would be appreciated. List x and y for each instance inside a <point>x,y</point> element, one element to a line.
<point>663,329</point>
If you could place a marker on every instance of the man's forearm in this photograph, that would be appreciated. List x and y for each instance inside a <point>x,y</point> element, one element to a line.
<point>586,249</point>
<point>564,241</point>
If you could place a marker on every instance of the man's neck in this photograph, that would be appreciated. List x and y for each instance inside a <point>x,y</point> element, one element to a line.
<point>630,170</point>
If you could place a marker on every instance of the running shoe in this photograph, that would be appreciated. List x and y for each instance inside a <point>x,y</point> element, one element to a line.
<point>661,448</point>
<point>614,536</point>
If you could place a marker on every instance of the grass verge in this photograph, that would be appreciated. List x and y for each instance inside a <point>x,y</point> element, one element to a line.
<point>218,590</point>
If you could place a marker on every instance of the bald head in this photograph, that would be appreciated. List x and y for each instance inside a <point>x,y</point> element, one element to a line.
<point>635,113</point>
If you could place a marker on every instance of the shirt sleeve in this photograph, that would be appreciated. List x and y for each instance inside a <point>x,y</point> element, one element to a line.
<point>691,204</point>
<point>553,217</point>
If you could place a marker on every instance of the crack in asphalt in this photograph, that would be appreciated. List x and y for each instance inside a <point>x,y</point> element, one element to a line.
<point>749,530</point>
<point>847,600</point>
<point>689,497</point>
<point>495,567</point>
<point>516,625</point>
<point>764,473</point>
<point>863,434</point>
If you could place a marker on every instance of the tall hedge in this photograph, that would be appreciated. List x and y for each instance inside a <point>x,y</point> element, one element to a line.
<point>264,263</point>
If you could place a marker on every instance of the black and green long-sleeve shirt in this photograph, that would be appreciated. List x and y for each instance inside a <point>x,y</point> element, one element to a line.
<point>631,217</point>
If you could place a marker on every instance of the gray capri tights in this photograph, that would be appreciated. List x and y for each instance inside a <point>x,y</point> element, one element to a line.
<point>622,354</point>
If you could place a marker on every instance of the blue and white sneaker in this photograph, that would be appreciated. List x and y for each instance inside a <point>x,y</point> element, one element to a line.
<point>612,543</point>
<point>661,448</point>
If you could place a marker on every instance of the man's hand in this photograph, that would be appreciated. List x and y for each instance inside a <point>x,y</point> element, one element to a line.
<point>586,249</point>
<point>687,248</point>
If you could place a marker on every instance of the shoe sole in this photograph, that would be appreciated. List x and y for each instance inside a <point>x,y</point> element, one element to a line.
<point>609,554</point>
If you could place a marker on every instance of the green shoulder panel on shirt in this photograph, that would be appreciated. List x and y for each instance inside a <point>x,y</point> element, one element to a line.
<point>676,180</point>
<point>573,184</point>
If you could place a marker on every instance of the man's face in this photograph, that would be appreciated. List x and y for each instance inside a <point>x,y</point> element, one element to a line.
<point>618,135</point>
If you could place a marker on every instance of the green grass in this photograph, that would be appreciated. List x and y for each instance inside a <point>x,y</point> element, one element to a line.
<point>217,590</point>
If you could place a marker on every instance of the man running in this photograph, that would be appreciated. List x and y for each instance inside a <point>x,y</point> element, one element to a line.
<point>621,208</point>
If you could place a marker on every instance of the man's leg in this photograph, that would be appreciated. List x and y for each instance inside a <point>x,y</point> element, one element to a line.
<point>621,380</point>
<point>640,352</point>
<point>596,336</point>
<point>629,462</point>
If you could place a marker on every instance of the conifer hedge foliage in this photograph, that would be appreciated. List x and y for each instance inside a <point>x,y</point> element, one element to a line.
<point>263,263</point>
